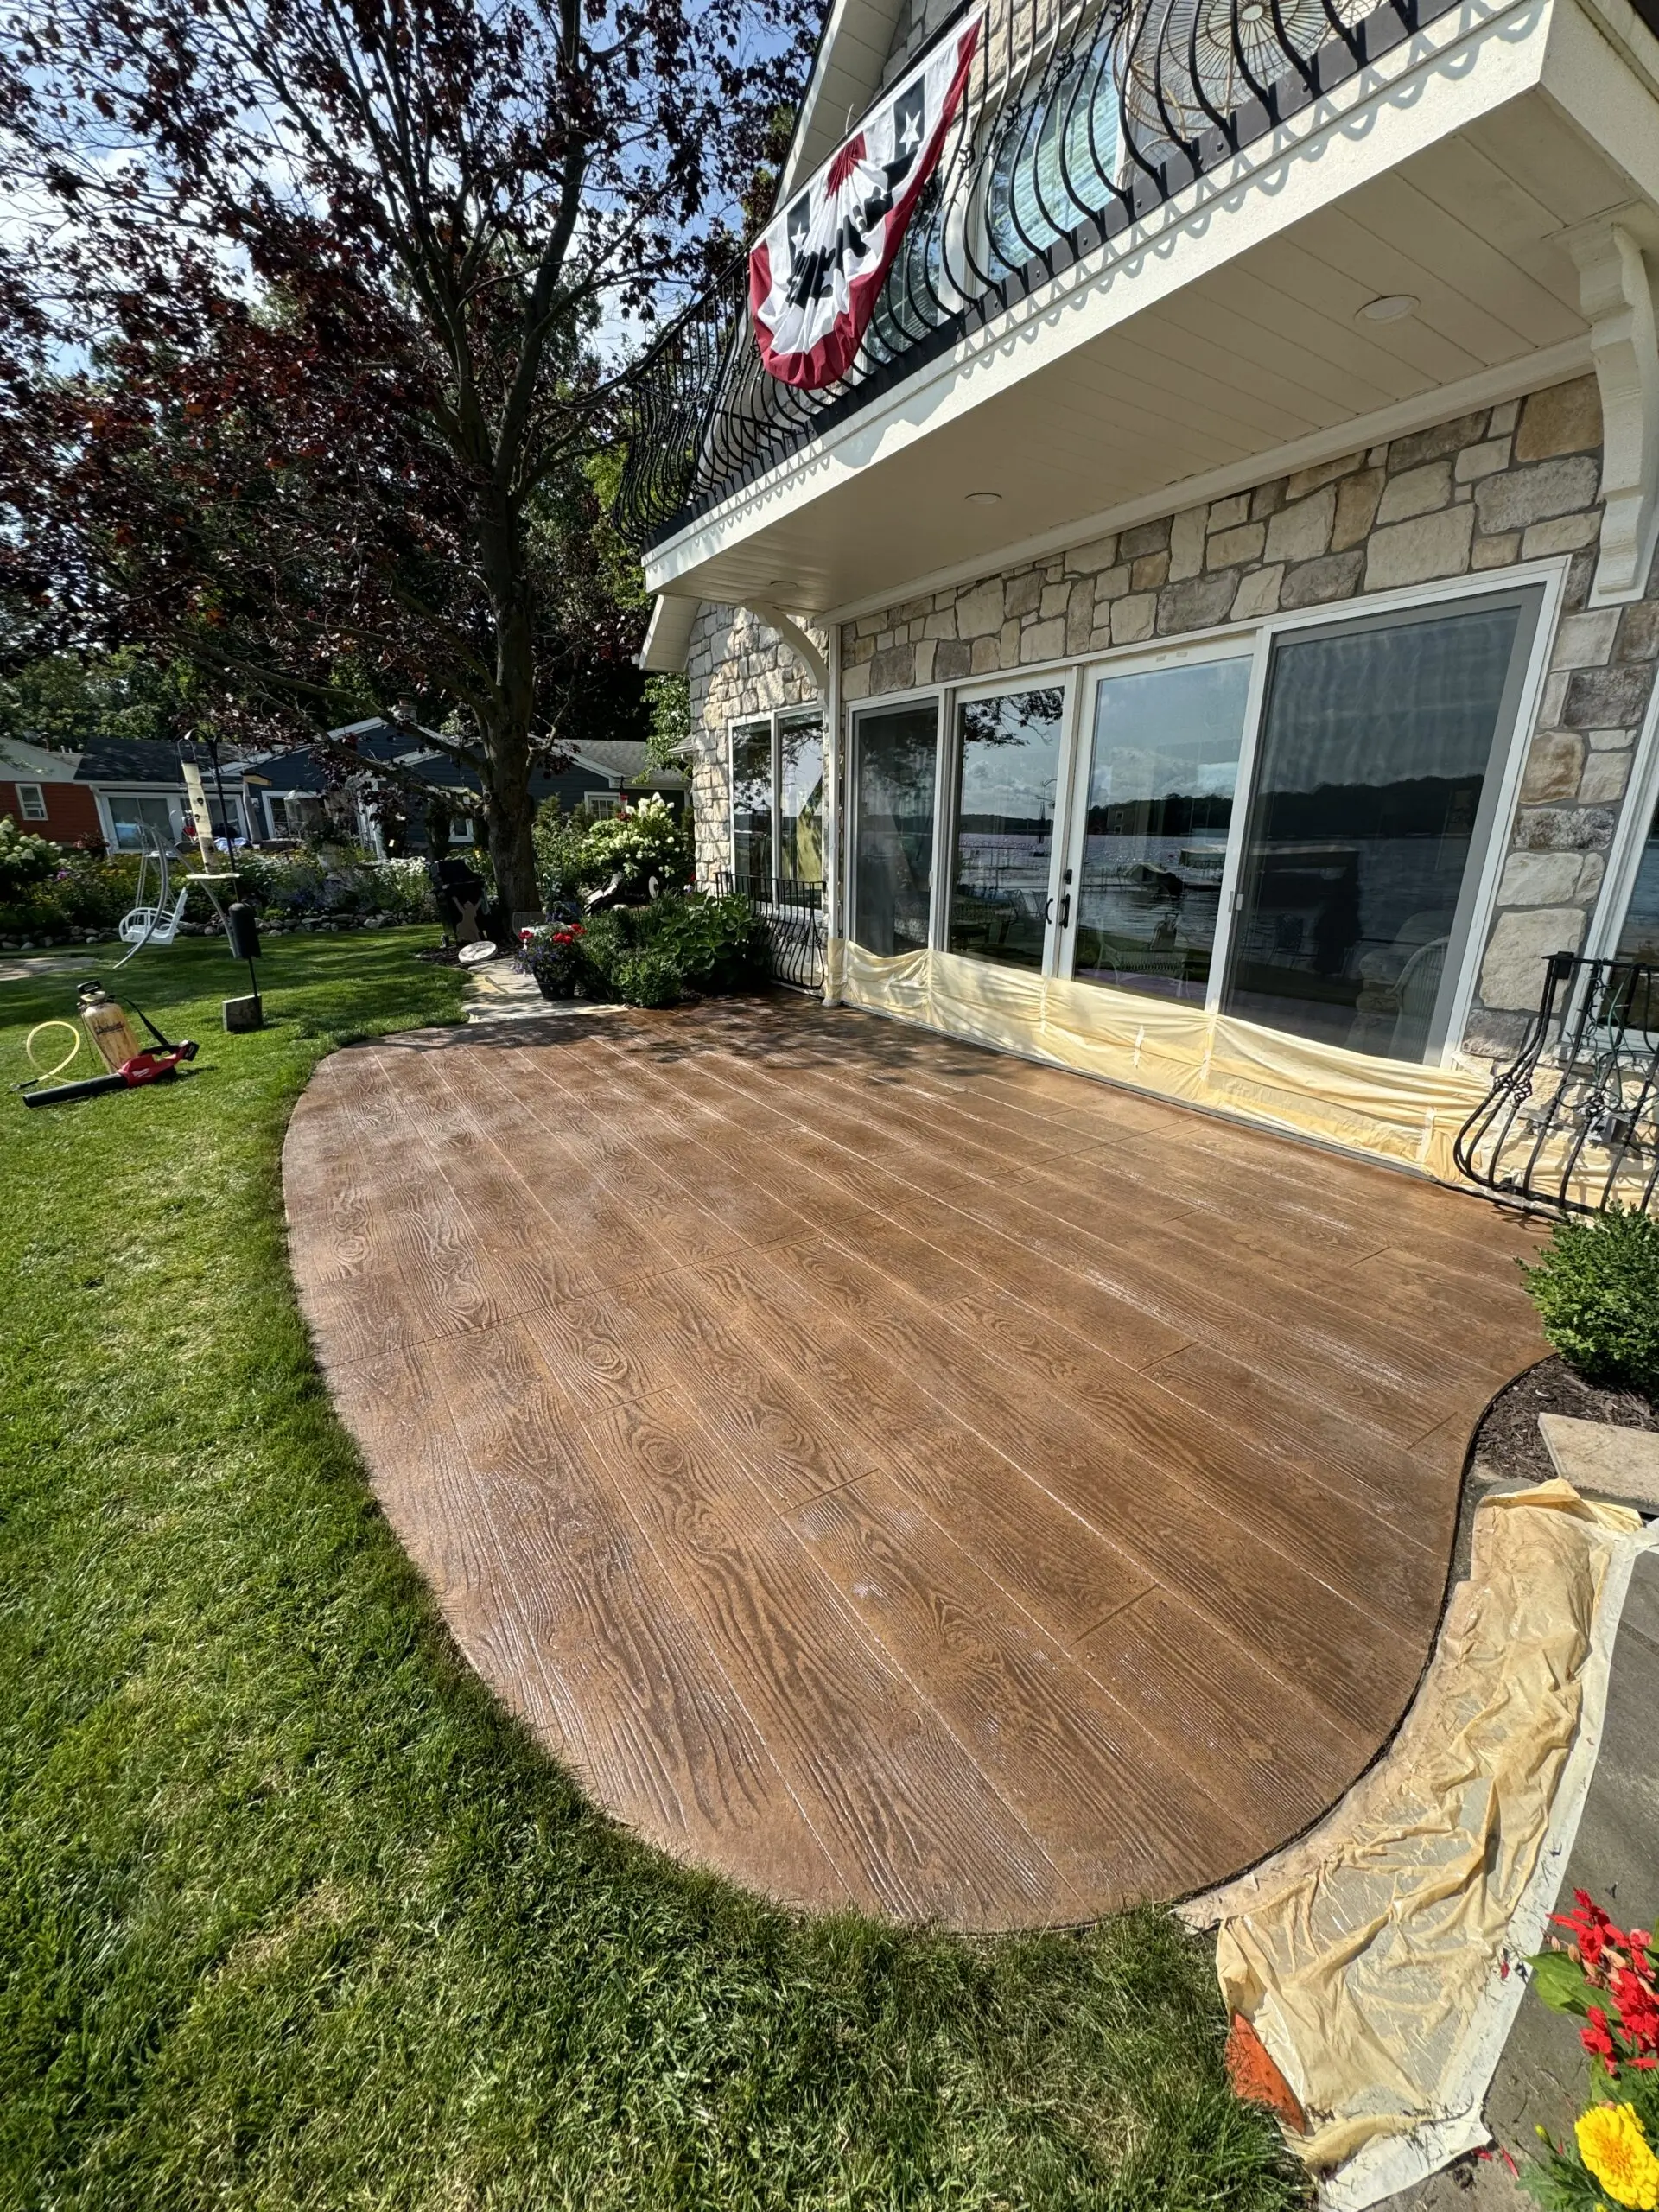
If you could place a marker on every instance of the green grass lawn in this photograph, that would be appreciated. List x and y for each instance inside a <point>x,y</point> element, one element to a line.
<point>291,1915</point>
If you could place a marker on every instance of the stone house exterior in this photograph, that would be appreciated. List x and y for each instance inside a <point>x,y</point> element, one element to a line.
<point>1531,490</point>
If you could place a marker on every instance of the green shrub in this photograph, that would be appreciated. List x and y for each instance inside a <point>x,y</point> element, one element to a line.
<point>646,978</point>
<point>290,886</point>
<point>715,945</point>
<point>1596,1287</point>
<point>718,944</point>
<point>558,838</point>
<point>648,839</point>
<point>651,953</point>
<point>25,860</point>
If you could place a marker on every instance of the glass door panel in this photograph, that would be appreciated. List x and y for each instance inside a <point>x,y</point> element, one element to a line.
<point>1008,768</point>
<point>1639,938</point>
<point>751,800</point>
<point>800,799</point>
<point>1375,786</point>
<point>1634,1000</point>
<point>896,752</point>
<point>1159,806</point>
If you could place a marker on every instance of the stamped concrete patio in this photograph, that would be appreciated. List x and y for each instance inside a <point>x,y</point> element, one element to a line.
<point>890,1473</point>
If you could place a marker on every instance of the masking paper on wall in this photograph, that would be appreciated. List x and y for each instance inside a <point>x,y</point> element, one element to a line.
<point>1374,1957</point>
<point>1392,1109</point>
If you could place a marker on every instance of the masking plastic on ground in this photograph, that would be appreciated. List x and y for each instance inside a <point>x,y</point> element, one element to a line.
<point>1370,1957</point>
<point>1391,1109</point>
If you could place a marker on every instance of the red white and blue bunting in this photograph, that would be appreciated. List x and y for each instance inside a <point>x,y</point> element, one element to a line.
<point>818,267</point>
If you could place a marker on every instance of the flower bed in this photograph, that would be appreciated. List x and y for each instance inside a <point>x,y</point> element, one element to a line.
<point>51,895</point>
<point>650,955</point>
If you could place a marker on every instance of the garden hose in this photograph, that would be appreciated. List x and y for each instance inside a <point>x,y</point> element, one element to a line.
<point>46,1075</point>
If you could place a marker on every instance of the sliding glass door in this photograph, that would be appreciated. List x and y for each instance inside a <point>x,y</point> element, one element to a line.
<point>895,773</point>
<point>1163,755</point>
<point>1375,785</point>
<point>1294,825</point>
<point>1006,775</point>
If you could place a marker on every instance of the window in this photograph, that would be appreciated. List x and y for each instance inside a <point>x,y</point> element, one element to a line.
<point>894,770</point>
<point>31,801</point>
<point>1372,810</point>
<point>800,798</point>
<point>778,797</point>
<point>230,812</point>
<point>1296,824</point>
<point>1007,774</point>
<point>141,819</point>
<point>1158,815</point>
<point>751,800</point>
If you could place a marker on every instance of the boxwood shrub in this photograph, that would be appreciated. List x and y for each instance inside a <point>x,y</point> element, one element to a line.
<point>1596,1287</point>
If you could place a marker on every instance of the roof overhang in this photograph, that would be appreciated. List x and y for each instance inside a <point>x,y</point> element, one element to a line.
<point>1221,340</point>
<point>668,637</point>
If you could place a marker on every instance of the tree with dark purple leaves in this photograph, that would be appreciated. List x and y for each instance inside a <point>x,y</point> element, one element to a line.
<point>315,318</point>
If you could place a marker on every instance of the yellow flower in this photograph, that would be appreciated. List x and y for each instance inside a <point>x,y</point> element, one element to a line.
<point>1612,2143</point>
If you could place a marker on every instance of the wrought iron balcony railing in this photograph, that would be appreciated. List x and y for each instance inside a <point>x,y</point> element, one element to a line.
<point>1079,120</point>
<point>1572,1121</point>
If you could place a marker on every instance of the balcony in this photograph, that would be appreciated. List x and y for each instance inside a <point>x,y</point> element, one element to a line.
<point>1159,258</point>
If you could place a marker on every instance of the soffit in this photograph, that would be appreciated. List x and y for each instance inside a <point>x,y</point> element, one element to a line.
<point>846,78</point>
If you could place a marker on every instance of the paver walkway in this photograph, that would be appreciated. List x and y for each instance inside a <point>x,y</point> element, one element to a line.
<point>891,1472</point>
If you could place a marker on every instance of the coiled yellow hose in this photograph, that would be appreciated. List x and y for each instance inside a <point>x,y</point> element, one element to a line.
<point>77,1035</point>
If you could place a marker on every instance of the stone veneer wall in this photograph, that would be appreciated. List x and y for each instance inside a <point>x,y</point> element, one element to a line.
<point>737,667</point>
<point>916,25</point>
<point>1512,483</point>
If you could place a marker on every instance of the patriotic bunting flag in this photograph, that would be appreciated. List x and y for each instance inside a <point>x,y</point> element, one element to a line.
<point>817,269</point>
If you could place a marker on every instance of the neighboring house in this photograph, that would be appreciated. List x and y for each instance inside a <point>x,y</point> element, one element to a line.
<point>137,785</point>
<point>40,792</point>
<point>288,790</point>
<point>1213,617</point>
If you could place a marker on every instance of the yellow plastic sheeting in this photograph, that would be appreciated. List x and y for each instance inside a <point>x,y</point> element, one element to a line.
<point>1390,1108</point>
<point>1370,1956</point>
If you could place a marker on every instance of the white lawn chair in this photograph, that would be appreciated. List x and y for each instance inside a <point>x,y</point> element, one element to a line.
<point>152,924</point>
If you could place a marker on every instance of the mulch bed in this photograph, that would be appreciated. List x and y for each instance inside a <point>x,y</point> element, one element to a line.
<point>1508,1443</point>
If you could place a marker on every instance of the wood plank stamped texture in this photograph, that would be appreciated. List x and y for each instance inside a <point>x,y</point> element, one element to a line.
<point>888,1473</point>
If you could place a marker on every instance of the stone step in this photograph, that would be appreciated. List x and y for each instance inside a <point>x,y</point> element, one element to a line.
<point>1620,1464</point>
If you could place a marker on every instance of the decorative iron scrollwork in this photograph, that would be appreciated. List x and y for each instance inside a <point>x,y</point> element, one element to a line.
<point>1571,1122</point>
<point>1079,120</point>
<point>791,915</point>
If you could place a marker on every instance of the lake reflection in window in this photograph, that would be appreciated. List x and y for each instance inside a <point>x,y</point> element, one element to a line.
<point>1161,783</point>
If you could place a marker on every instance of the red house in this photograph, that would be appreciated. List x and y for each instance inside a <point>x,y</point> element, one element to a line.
<point>39,792</point>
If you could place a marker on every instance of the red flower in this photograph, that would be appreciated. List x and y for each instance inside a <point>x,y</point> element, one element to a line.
<point>1596,2039</point>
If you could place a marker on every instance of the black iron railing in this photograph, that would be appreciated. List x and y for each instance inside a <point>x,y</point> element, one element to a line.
<point>791,914</point>
<point>1079,119</point>
<point>1572,1121</point>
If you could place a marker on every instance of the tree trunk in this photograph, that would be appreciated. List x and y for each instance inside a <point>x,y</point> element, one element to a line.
<point>507,742</point>
<point>508,816</point>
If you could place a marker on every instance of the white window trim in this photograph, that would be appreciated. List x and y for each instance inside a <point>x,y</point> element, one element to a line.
<point>41,813</point>
<point>1257,638</point>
